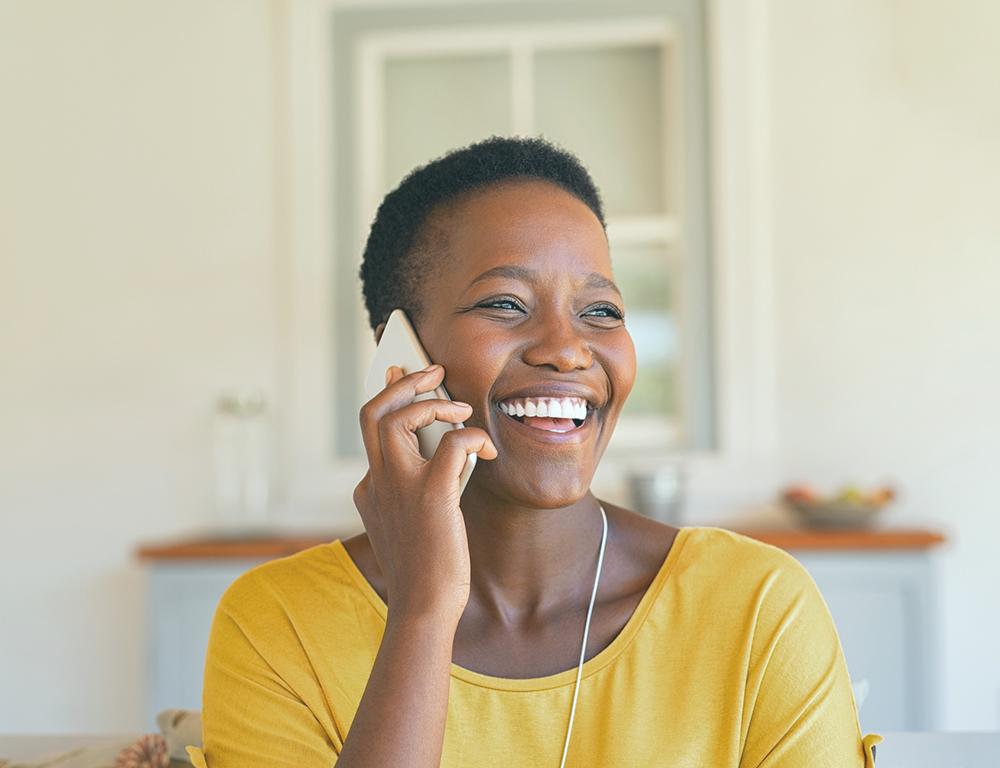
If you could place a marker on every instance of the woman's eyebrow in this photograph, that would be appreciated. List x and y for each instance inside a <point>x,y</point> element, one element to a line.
<point>596,280</point>
<point>514,272</point>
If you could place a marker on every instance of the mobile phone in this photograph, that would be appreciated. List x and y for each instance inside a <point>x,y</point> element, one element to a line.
<point>400,346</point>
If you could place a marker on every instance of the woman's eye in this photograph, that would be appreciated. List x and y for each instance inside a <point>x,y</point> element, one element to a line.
<point>606,310</point>
<point>507,304</point>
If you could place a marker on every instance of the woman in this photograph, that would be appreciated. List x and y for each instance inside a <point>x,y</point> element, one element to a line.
<point>450,632</point>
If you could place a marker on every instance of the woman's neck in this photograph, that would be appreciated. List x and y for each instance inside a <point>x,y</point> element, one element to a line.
<point>526,562</point>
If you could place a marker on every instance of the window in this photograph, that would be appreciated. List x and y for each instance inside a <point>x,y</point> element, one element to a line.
<point>619,84</point>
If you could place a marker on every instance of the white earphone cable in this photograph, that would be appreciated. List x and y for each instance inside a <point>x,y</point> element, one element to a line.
<point>586,632</point>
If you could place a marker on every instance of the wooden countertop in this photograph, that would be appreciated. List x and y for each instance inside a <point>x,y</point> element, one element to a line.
<point>874,538</point>
<point>269,546</point>
<point>250,546</point>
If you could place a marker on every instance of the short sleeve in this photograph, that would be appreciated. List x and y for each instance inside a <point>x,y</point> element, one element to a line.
<point>799,701</point>
<point>197,757</point>
<point>251,716</point>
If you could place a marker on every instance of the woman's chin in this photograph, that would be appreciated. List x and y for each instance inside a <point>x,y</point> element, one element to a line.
<point>539,489</point>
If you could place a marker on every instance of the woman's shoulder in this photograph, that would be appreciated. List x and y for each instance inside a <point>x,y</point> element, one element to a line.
<point>726,549</point>
<point>737,550</point>
<point>694,569</point>
<point>748,574</point>
<point>284,583</point>
<point>704,549</point>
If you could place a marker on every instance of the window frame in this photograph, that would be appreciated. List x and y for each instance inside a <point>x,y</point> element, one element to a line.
<point>314,484</point>
<point>520,41</point>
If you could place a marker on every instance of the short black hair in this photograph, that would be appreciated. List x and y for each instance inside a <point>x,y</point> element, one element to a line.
<point>400,250</point>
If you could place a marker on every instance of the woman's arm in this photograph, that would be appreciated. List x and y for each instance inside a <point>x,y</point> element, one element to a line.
<point>801,707</point>
<point>410,508</point>
<point>401,718</point>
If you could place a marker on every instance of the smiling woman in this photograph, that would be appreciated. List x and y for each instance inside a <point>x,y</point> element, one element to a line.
<point>449,632</point>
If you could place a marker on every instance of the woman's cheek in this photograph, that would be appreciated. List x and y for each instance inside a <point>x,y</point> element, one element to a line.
<point>470,376</point>
<point>622,362</point>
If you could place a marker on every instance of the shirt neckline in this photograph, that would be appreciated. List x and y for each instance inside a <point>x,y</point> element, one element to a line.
<point>567,676</point>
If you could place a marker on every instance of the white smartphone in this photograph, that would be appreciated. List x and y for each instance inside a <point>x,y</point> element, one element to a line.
<point>400,346</point>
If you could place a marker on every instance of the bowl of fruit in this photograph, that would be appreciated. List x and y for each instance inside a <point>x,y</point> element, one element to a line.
<point>850,507</point>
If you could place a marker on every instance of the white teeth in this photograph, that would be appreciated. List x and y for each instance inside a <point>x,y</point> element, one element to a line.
<point>554,408</point>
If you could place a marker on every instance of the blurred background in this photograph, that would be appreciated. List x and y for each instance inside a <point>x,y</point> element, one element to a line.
<point>803,214</point>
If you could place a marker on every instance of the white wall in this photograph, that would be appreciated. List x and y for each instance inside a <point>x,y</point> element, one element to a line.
<point>136,263</point>
<point>140,262</point>
<point>886,150</point>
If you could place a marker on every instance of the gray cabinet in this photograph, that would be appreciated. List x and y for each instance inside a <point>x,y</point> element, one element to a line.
<point>182,599</point>
<point>884,605</point>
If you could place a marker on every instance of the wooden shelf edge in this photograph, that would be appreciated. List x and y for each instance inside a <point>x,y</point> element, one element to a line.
<point>281,545</point>
<point>836,540</point>
<point>232,548</point>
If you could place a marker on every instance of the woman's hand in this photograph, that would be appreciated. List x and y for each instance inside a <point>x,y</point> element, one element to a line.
<point>410,505</point>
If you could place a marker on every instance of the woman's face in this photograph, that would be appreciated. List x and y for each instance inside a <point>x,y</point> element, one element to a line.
<point>522,309</point>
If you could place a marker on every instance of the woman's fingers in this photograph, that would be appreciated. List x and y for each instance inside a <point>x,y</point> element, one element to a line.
<point>397,430</point>
<point>390,420</point>
<point>399,391</point>
<point>455,446</point>
<point>404,498</point>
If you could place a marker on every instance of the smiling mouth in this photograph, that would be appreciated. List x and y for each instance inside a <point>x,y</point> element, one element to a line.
<point>548,423</point>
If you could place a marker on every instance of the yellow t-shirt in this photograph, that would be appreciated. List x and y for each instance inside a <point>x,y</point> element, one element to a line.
<point>731,659</point>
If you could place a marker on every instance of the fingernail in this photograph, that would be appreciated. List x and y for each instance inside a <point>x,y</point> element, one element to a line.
<point>459,402</point>
<point>432,367</point>
<point>388,374</point>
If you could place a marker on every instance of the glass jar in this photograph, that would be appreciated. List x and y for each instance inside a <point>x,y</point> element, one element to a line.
<point>658,492</point>
<point>242,459</point>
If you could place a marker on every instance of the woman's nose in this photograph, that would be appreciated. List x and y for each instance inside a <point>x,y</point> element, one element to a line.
<point>560,345</point>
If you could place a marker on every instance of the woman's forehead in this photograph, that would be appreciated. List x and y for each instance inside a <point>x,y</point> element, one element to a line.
<point>533,225</point>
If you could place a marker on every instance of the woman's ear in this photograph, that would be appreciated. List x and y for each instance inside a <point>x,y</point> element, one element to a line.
<point>378,332</point>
